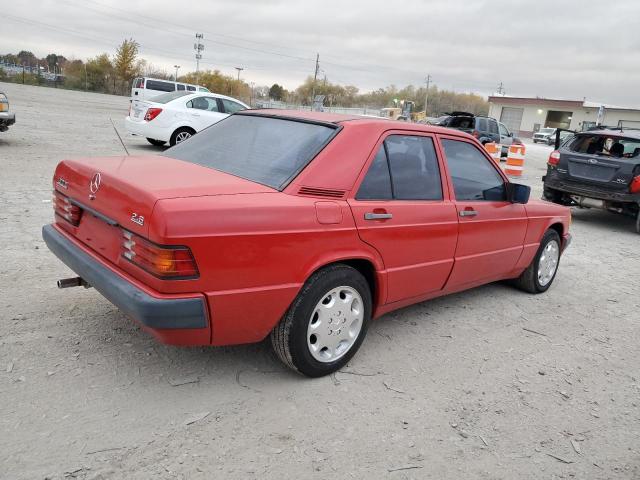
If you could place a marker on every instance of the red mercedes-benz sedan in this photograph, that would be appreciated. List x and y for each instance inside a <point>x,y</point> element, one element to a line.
<point>302,226</point>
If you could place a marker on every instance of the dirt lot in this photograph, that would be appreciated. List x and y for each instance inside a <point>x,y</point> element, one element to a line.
<point>491,383</point>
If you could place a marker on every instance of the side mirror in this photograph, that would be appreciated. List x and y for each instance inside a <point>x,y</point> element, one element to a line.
<point>518,193</point>
<point>510,134</point>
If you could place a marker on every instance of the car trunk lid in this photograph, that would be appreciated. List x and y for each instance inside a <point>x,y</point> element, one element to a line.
<point>120,192</point>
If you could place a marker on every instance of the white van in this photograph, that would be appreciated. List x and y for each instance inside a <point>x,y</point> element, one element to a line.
<point>144,88</point>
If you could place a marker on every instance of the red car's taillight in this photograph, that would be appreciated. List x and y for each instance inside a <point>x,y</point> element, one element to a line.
<point>554,158</point>
<point>63,207</point>
<point>162,261</point>
<point>634,186</point>
<point>152,113</point>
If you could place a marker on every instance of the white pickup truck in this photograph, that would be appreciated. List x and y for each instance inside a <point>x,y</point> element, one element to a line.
<point>6,118</point>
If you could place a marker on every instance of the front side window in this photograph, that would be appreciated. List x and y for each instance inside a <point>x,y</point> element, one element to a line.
<point>472,174</point>
<point>493,126</point>
<point>503,130</point>
<point>232,107</point>
<point>405,168</point>
<point>204,103</point>
<point>270,151</point>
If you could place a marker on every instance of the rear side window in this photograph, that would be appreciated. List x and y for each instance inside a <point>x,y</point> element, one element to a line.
<point>377,183</point>
<point>180,86</point>
<point>270,151</point>
<point>160,86</point>
<point>415,174</point>
<point>191,88</point>
<point>473,176</point>
<point>405,168</point>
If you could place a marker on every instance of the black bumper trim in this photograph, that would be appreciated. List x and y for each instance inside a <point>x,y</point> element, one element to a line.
<point>150,311</point>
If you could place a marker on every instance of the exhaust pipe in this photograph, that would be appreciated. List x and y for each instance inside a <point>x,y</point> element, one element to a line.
<point>586,202</point>
<point>73,282</point>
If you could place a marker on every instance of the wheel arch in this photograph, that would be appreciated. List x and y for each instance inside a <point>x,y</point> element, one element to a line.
<point>367,268</point>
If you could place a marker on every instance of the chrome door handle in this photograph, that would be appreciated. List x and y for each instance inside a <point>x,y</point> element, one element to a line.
<point>377,216</point>
<point>195,114</point>
<point>468,213</point>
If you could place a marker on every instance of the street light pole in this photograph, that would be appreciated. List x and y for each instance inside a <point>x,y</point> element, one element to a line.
<point>239,70</point>
<point>177,67</point>
<point>426,96</point>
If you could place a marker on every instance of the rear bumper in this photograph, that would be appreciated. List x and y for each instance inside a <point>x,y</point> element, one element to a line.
<point>147,130</point>
<point>153,312</point>
<point>573,188</point>
<point>7,119</point>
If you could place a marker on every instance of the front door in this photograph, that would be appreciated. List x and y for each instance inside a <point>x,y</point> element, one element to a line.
<point>492,230</point>
<point>401,211</point>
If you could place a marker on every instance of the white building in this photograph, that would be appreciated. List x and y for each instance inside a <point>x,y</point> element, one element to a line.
<point>525,116</point>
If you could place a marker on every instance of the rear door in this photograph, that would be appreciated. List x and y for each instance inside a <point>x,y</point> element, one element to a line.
<point>401,208</point>
<point>601,160</point>
<point>491,229</point>
<point>204,111</point>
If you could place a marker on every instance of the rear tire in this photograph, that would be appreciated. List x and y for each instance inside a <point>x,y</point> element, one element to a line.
<point>326,323</point>
<point>181,134</point>
<point>157,143</point>
<point>539,275</point>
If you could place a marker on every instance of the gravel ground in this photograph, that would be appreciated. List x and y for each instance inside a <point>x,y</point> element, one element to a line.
<point>490,383</point>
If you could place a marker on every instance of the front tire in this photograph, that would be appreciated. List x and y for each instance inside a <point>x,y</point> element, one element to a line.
<point>539,275</point>
<point>326,323</point>
<point>157,143</point>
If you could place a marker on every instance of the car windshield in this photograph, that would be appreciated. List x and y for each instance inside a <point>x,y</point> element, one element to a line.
<point>266,150</point>
<point>547,130</point>
<point>167,97</point>
<point>605,145</point>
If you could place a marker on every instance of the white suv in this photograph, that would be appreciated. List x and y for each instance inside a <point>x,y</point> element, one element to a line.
<point>144,88</point>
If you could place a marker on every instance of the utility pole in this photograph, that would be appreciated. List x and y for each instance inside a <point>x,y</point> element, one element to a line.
<point>85,77</point>
<point>426,96</point>
<point>315,77</point>
<point>177,67</point>
<point>500,89</point>
<point>198,47</point>
<point>251,96</point>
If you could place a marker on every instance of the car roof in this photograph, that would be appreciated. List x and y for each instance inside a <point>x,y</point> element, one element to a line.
<point>343,119</point>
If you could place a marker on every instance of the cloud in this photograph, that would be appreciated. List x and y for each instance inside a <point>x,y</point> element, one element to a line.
<point>570,49</point>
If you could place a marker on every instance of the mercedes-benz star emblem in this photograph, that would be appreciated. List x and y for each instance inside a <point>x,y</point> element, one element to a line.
<point>95,183</point>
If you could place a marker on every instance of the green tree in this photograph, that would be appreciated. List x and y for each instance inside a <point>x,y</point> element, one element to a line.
<point>276,92</point>
<point>126,63</point>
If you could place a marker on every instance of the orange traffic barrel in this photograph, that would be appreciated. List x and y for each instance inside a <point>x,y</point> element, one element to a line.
<point>515,160</point>
<point>494,149</point>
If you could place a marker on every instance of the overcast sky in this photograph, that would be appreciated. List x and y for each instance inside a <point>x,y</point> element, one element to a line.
<point>557,49</point>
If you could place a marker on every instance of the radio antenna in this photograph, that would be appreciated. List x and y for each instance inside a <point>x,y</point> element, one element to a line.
<point>119,137</point>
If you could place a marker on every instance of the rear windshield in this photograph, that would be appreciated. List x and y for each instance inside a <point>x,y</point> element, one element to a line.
<point>605,145</point>
<point>266,150</point>
<point>461,122</point>
<point>167,97</point>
